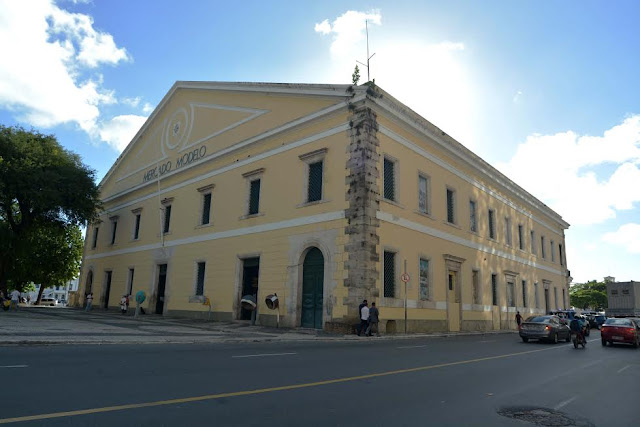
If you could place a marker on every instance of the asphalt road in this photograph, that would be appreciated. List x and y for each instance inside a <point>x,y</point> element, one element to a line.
<point>459,381</point>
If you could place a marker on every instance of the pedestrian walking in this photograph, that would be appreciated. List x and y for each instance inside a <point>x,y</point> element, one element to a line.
<point>374,318</point>
<point>89,301</point>
<point>124,304</point>
<point>15,298</point>
<point>518,319</point>
<point>364,317</point>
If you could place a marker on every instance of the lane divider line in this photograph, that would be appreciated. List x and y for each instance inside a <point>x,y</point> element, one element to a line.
<point>261,390</point>
<point>565,403</point>
<point>263,355</point>
<point>620,370</point>
<point>412,346</point>
<point>15,366</point>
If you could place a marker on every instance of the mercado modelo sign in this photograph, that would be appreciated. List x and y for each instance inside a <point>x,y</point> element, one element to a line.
<point>180,162</point>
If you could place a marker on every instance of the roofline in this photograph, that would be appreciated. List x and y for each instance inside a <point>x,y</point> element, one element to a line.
<point>339,90</point>
<point>459,151</point>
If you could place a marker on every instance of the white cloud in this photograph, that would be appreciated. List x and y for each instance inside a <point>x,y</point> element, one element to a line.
<point>430,78</point>
<point>119,131</point>
<point>558,169</point>
<point>147,108</point>
<point>131,102</point>
<point>348,29</point>
<point>517,96</point>
<point>45,82</point>
<point>628,236</point>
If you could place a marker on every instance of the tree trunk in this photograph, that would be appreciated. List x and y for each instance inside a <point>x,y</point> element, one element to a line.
<point>40,294</point>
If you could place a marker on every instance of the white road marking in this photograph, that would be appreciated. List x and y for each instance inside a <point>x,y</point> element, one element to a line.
<point>565,403</point>
<point>264,355</point>
<point>620,370</point>
<point>14,366</point>
<point>488,341</point>
<point>412,346</point>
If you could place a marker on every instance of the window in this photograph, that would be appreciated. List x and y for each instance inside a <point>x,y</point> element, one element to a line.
<point>130,282</point>
<point>524,293</point>
<point>535,294</point>
<point>560,254</point>
<point>167,219</point>
<point>315,182</point>
<point>555,295</point>
<point>389,179</point>
<point>114,227</point>
<point>564,298</point>
<point>492,224</point>
<point>614,292</point>
<point>511,295</point>
<point>136,229</point>
<point>475,282</point>
<point>206,209</point>
<point>200,279</point>
<point>424,279</point>
<point>543,248</point>
<point>389,274</point>
<point>254,197</point>
<point>533,242</point>
<point>473,222</point>
<point>507,229</point>
<point>451,206</point>
<point>625,292</point>
<point>521,236</point>
<point>423,194</point>
<point>553,251</point>
<point>494,289</point>
<point>95,237</point>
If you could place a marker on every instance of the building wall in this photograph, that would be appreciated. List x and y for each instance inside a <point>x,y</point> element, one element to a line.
<point>235,137</point>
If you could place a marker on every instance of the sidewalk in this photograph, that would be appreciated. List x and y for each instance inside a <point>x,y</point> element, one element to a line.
<point>61,325</point>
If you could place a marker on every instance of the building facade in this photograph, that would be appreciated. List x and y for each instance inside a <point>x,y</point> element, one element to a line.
<point>323,195</point>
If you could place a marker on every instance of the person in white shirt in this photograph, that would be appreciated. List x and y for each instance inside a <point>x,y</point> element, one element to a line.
<point>364,317</point>
<point>15,298</point>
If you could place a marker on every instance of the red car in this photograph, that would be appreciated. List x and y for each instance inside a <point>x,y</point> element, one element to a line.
<point>620,330</point>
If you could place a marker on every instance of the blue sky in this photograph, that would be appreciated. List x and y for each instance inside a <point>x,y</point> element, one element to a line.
<point>547,92</point>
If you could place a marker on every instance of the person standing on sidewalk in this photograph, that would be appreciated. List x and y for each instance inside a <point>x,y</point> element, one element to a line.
<point>15,298</point>
<point>89,301</point>
<point>124,304</point>
<point>518,319</point>
<point>373,320</point>
<point>364,317</point>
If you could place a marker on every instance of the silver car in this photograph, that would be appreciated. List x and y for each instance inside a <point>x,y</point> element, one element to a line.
<point>549,328</point>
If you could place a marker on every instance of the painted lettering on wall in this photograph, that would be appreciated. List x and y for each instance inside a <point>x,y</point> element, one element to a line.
<point>180,162</point>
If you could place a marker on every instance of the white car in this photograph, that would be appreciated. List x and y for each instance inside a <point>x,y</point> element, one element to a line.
<point>50,301</point>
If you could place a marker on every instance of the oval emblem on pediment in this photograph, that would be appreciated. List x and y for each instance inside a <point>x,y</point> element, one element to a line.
<point>176,132</point>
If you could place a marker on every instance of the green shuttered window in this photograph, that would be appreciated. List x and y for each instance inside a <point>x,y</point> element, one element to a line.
<point>167,218</point>
<point>206,208</point>
<point>254,197</point>
<point>494,289</point>
<point>389,180</point>
<point>451,213</point>
<point>389,274</point>
<point>315,182</point>
<point>200,282</point>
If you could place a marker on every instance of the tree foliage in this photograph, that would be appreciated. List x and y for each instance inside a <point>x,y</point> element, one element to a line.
<point>355,77</point>
<point>592,294</point>
<point>46,192</point>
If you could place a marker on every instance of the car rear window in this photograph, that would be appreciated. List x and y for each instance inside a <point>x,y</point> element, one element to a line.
<point>625,322</point>
<point>599,317</point>
<point>538,319</point>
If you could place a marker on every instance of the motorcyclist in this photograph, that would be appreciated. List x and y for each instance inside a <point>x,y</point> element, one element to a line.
<point>577,327</point>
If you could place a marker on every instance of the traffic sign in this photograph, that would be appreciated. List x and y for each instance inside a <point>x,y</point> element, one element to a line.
<point>404,277</point>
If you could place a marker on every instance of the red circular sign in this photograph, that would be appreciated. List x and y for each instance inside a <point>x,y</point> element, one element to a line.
<point>404,277</point>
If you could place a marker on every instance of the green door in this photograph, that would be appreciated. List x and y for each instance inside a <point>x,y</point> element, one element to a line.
<point>312,288</point>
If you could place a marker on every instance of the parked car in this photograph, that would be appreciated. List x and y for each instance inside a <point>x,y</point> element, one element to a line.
<point>62,302</point>
<point>544,328</point>
<point>622,330</point>
<point>50,301</point>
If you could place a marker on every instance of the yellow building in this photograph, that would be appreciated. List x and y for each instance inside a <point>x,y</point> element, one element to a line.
<point>323,195</point>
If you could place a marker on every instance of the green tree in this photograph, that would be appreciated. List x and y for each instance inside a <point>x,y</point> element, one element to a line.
<point>591,294</point>
<point>46,192</point>
<point>355,77</point>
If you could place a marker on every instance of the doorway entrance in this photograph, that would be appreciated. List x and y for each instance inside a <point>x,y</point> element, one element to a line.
<point>107,289</point>
<point>454,303</point>
<point>546,301</point>
<point>162,284</point>
<point>312,289</point>
<point>250,274</point>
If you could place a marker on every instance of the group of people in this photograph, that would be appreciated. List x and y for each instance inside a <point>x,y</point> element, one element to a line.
<point>369,318</point>
<point>13,299</point>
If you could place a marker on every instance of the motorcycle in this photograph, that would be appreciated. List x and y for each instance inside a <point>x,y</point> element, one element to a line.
<point>579,339</point>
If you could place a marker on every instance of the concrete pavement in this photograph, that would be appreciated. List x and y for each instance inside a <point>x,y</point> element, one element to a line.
<point>61,325</point>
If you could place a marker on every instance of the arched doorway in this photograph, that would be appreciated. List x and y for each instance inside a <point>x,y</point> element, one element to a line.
<point>312,289</point>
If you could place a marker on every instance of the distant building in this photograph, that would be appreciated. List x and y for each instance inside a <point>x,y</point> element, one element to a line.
<point>60,293</point>
<point>323,194</point>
